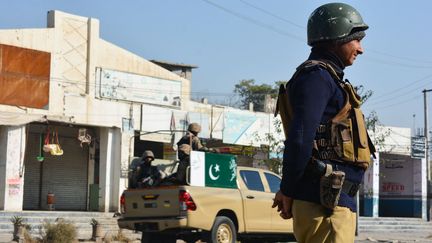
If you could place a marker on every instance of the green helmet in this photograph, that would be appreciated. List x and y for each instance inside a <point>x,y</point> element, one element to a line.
<point>148,154</point>
<point>333,21</point>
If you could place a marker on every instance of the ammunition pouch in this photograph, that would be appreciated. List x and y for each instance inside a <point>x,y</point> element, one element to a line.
<point>345,138</point>
<point>330,189</point>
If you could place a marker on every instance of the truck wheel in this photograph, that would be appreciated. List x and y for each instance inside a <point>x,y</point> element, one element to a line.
<point>223,231</point>
<point>148,237</point>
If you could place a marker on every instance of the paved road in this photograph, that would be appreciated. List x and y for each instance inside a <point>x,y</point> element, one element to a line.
<point>392,237</point>
<point>381,237</point>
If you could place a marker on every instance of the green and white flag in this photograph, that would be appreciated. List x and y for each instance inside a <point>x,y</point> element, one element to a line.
<point>214,170</point>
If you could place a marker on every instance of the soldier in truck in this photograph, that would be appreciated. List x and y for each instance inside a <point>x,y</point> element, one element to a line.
<point>191,138</point>
<point>145,174</point>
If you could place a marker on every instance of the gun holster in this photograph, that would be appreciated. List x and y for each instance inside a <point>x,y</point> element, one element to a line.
<point>330,188</point>
<point>317,168</point>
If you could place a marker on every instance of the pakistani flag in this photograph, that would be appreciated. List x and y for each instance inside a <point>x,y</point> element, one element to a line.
<point>214,170</point>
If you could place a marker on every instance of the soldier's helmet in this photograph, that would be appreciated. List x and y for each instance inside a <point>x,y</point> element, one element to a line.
<point>148,154</point>
<point>194,127</point>
<point>334,22</point>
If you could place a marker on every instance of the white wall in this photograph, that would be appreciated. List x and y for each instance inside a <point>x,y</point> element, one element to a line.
<point>76,51</point>
<point>397,140</point>
<point>12,143</point>
<point>109,169</point>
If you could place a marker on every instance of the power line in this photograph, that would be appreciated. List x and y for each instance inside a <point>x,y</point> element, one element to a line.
<point>402,88</point>
<point>391,63</point>
<point>273,15</point>
<point>398,103</point>
<point>394,94</point>
<point>255,22</point>
<point>303,27</point>
<point>401,58</point>
<point>93,84</point>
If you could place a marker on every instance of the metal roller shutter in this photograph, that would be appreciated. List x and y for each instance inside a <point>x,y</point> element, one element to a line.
<point>31,176</point>
<point>65,176</point>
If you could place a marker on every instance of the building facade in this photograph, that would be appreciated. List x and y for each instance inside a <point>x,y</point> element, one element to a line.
<point>98,106</point>
<point>76,109</point>
<point>65,85</point>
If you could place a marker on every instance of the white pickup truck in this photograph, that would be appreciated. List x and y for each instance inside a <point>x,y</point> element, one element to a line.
<point>211,214</point>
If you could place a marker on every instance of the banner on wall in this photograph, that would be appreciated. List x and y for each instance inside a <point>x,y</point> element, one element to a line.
<point>204,121</point>
<point>139,88</point>
<point>156,123</point>
<point>397,175</point>
<point>246,128</point>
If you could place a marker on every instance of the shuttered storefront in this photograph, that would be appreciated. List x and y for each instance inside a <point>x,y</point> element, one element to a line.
<point>65,175</point>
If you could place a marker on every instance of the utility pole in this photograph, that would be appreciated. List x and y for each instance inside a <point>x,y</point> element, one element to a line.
<point>428,169</point>
<point>426,134</point>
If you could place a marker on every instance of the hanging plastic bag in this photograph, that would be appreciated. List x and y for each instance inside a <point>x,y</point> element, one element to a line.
<point>56,150</point>
<point>47,147</point>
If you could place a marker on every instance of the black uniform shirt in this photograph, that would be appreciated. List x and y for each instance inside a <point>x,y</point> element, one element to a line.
<point>316,98</point>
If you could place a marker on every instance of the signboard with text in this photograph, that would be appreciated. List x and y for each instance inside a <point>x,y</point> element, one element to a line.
<point>418,147</point>
<point>138,88</point>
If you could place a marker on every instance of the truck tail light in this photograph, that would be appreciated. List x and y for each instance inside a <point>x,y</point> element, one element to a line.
<point>186,202</point>
<point>122,204</point>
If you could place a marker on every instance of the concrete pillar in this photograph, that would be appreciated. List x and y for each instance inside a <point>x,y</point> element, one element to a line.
<point>12,149</point>
<point>127,147</point>
<point>109,169</point>
<point>371,189</point>
<point>420,180</point>
<point>92,50</point>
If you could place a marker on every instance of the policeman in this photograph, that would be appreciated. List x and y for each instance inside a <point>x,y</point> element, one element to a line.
<point>327,149</point>
<point>191,138</point>
<point>147,174</point>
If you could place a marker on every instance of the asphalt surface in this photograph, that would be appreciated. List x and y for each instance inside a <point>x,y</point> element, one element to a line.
<point>392,237</point>
<point>381,237</point>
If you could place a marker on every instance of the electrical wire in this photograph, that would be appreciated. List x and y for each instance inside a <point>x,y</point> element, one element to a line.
<point>398,103</point>
<point>371,50</point>
<point>273,15</point>
<point>393,92</point>
<point>255,22</point>
<point>392,63</point>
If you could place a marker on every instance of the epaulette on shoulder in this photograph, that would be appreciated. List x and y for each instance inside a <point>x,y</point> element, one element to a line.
<point>312,65</point>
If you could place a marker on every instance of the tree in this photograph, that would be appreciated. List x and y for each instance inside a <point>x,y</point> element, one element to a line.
<point>364,95</point>
<point>274,144</point>
<point>250,92</point>
<point>379,131</point>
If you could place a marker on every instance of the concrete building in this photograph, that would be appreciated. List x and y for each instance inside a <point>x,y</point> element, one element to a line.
<point>87,94</point>
<point>64,85</point>
<point>395,184</point>
<point>95,106</point>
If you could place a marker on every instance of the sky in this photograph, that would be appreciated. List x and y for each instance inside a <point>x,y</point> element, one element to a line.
<point>232,40</point>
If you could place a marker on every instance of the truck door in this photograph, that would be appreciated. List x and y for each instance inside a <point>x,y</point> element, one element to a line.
<point>277,223</point>
<point>257,202</point>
